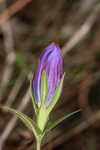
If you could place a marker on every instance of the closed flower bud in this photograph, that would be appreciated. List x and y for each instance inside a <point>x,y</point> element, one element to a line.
<point>51,62</point>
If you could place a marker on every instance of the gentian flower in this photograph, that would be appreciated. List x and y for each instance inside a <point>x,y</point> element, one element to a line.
<point>51,62</point>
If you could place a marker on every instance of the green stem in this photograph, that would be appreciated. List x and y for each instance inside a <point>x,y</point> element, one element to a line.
<point>38,143</point>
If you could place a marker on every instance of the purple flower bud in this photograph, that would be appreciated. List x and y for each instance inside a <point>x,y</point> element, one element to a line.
<point>51,62</point>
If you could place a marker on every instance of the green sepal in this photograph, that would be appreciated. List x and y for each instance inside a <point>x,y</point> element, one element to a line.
<point>42,118</point>
<point>55,123</point>
<point>56,95</point>
<point>28,122</point>
<point>33,100</point>
<point>44,88</point>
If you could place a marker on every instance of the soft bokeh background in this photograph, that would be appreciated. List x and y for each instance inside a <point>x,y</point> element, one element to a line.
<point>26,28</point>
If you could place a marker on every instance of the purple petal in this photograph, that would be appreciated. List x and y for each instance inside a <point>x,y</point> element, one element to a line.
<point>50,61</point>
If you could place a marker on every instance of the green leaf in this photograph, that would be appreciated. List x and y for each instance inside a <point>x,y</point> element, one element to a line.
<point>52,125</point>
<point>30,124</point>
<point>56,95</point>
<point>44,88</point>
<point>33,100</point>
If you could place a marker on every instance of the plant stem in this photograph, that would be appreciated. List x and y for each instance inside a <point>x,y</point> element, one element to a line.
<point>38,144</point>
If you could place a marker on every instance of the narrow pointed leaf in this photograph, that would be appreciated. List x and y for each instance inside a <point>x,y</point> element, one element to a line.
<point>44,88</point>
<point>56,95</point>
<point>28,122</point>
<point>33,100</point>
<point>54,124</point>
